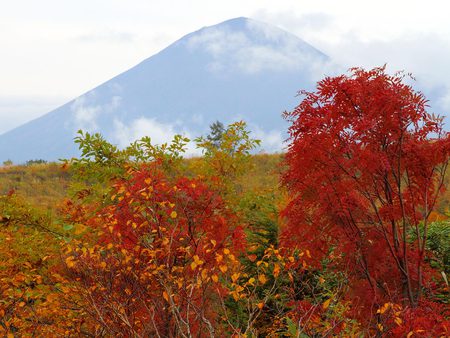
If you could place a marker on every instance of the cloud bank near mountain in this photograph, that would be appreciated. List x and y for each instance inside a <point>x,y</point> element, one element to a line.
<point>240,69</point>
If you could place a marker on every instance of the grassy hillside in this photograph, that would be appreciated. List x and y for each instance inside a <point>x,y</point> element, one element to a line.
<point>45,185</point>
<point>42,185</point>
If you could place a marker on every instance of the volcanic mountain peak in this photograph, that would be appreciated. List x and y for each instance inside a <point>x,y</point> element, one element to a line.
<point>238,69</point>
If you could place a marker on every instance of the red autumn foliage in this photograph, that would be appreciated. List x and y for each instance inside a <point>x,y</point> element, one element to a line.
<point>428,319</point>
<point>366,164</point>
<point>155,270</point>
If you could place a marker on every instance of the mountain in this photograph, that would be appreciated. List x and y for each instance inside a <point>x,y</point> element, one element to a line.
<point>238,69</point>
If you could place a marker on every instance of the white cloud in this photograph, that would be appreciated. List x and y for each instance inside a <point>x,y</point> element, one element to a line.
<point>271,140</point>
<point>85,114</point>
<point>85,117</point>
<point>411,37</point>
<point>251,54</point>
<point>424,55</point>
<point>159,133</point>
<point>218,42</point>
<point>40,55</point>
<point>124,134</point>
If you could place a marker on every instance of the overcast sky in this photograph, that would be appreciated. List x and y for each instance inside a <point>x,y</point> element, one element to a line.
<point>54,50</point>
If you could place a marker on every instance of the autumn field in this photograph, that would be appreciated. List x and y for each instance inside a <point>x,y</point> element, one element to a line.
<point>344,235</point>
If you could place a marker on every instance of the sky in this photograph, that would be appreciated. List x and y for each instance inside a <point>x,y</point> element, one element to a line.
<point>55,50</point>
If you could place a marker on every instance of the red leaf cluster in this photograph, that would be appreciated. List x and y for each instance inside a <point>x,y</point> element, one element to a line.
<point>366,163</point>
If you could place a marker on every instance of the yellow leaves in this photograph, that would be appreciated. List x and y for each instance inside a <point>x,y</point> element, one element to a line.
<point>260,305</point>
<point>226,251</point>
<point>380,327</point>
<point>291,259</point>
<point>396,311</point>
<point>148,180</point>
<point>235,277</point>
<point>326,304</point>
<point>70,261</point>
<point>204,274</point>
<point>276,269</point>
<point>173,214</point>
<point>219,258</point>
<point>411,333</point>
<point>321,280</point>
<point>126,256</point>
<point>258,263</point>
<point>79,229</point>
<point>197,262</point>
<point>21,304</point>
<point>236,293</point>
<point>262,279</point>
<point>109,246</point>
<point>223,268</point>
<point>213,242</point>
<point>215,278</point>
<point>384,308</point>
<point>165,296</point>
<point>145,194</point>
<point>38,279</point>
<point>251,281</point>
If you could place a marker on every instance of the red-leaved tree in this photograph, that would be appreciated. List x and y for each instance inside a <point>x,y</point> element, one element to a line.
<point>366,163</point>
<point>161,252</point>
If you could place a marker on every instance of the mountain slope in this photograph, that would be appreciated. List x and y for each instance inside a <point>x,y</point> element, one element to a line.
<point>238,69</point>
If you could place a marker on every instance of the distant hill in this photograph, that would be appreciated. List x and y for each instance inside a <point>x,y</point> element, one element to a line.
<point>238,69</point>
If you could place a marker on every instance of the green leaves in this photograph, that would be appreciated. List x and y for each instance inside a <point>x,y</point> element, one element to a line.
<point>226,155</point>
<point>101,162</point>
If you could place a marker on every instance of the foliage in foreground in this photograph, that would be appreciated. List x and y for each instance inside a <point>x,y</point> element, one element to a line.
<point>366,165</point>
<point>152,245</point>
